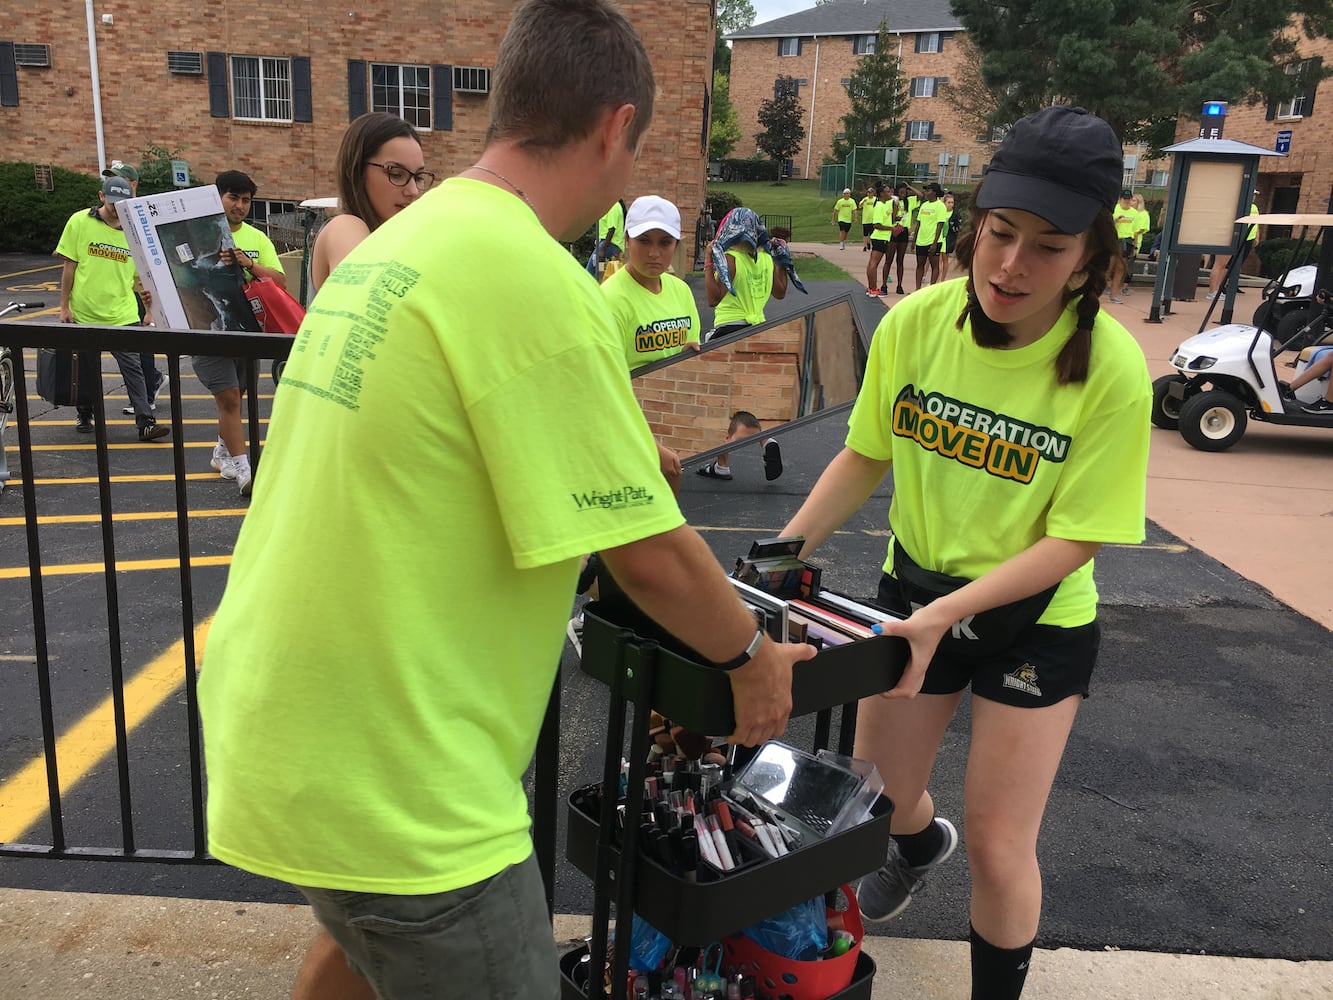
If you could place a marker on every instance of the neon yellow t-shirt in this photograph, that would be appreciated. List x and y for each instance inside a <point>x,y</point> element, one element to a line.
<point>1126,221</point>
<point>383,654</point>
<point>990,453</point>
<point>844,207</point>
<point>910,210</point>
<point>253,243</point>
<point>103,290</point>
<point>651,326</point>
<point>1142,224</point>
<point>753,284</point>
<point>614,217</point>
<point>928,215</point>
<point>867,207</point>
<point>1254,230</point>
<point>884,219</point>
<point>944,227</point>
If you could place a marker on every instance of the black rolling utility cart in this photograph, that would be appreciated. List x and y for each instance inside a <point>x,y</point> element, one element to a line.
<point>703,907</point>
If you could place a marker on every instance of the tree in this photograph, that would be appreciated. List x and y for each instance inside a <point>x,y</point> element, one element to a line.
<point>879,100</point>
<point>1140,65</point>
<point>732,15</point>
<point>781,117</point>
<point>724,129</point>
<point>977,105</point>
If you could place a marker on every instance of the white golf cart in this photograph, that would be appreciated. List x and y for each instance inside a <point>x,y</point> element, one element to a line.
<point>1228,375</point>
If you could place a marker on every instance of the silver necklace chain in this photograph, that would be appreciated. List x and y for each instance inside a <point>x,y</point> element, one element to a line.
<point>517,190</point>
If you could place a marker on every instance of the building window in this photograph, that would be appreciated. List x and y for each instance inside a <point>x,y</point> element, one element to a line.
<point>865,45</point>
<point>928,42</point>
<point>1295,108</point>
<point>403,91</point>
<point>261,88</point>
<point>262,210</point>
<point>923,86</point>
<point>1160,178</point>
<point>920,130</point>
<point>789,47</point>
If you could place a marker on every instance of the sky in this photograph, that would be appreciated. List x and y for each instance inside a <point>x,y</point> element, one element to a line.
<point>767,10</point>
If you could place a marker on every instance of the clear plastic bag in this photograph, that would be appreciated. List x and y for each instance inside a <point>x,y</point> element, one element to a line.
<point>800,933</point>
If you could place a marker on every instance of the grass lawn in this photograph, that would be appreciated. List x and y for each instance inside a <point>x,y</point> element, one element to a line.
<point>811,269</point>
<point>809,212</point>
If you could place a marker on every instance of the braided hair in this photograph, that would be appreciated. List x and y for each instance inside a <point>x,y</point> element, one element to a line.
<point>1071,364</point>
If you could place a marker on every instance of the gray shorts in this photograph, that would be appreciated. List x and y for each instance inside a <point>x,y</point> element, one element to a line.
<point>219,374</point>
<point>489,941</point>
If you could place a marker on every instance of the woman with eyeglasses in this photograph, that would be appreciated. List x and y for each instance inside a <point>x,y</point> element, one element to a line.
<point>381,170</point>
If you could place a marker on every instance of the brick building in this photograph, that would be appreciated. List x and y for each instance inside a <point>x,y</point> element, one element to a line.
<point>820,47</point>
<point>270,89</point>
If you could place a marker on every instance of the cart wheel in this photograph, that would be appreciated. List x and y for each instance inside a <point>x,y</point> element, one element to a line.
<point>276,371</point>
<point>1266,316</point>
<point>1165,407</point>
<point>1291,323</point>
<point>1213,420</point>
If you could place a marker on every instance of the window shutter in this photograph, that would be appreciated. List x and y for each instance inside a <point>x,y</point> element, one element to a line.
<point>302,111</point>
<point>217,85</point>
<point>1314,71</point>
<point>356,89</point>
<point>917,42</point>
<point>799,43</point>
<point>1272,111</point>
<point>443,77</point>
<point>9,77</point>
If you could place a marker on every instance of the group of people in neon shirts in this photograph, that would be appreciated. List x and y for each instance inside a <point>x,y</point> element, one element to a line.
<point>894,219</point>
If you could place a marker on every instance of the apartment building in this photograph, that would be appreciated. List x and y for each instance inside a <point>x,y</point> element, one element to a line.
<point>269,90</point>
<point>820,48</point>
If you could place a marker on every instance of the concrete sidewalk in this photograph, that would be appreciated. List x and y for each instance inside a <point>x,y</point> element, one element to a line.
<point>62,945</point>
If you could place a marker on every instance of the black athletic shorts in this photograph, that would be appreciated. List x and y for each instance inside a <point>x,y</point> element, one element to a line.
<point>929,250</point>
<point>1042,666</point>
<point>901,237</point>
<point>879,246</point>
<point>844,227</point>
<point>1127,247</point>
<point>867,228</point>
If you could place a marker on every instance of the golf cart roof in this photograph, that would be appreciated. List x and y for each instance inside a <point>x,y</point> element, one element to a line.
<point>333,203</point>
<point>1288,220</point>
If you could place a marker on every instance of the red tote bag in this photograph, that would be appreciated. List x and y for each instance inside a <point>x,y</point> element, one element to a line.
<point>276,310</point>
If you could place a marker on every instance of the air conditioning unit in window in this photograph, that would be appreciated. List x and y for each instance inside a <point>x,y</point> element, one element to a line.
<point>32,54</point>
<point>186,63</point>
<point>472,79</point>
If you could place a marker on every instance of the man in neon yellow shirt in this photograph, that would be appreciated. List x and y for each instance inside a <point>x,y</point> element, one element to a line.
<point>97,288</point>
<point>867,206</point>
<point>1126,222</point>
<point>843,210</point>
<point>611,235</point>
<point>381,660</point>
<point>927,228</point>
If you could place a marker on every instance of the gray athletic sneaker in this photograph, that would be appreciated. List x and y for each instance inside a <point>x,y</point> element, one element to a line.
<point>885,894</point>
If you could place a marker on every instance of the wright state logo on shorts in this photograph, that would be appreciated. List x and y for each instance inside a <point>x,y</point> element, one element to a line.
<point>1023,679</point>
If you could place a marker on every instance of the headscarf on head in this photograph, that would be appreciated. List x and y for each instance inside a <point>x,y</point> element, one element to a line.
<point>741,225</point>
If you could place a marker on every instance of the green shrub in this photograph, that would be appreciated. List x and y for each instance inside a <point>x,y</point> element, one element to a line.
<point>757,168</point>
<point>719,203</point>
<point>1276,255</point>
<point>31,221</point>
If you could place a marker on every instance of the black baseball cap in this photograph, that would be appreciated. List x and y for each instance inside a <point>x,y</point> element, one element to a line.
<point>1061,163</point>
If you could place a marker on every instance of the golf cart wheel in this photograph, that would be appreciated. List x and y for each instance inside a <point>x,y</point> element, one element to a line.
<point>1289,324</point>
<point>276,371</point>
<point>1213,420</point>
<point>1266,317</point>
<point>1165,407</point>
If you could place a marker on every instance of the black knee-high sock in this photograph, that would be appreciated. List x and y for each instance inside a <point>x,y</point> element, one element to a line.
<point>997,973</point>
<point>920,848</point>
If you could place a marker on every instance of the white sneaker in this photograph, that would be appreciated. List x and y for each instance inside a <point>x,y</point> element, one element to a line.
<point>244,478</point>
<point>575,632</point>
<point>221,461</point>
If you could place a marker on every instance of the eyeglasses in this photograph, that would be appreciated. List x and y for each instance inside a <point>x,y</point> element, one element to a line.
<point>399,175</point>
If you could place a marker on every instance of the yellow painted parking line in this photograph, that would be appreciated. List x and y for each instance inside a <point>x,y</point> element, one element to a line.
<point>32,270</point>
<point>153,515</point>
<point>122,566</point>
<point>23,798</point>
<point>14,484</point>
<point>20,317</point>
<point>161,444</point>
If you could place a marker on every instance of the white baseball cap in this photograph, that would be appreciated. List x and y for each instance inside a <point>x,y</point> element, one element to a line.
<point>652,212</point>
<point>846,190</point>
